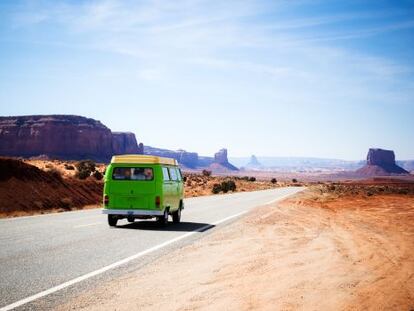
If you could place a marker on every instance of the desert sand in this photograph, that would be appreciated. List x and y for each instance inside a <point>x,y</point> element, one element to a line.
<point>319,250</point>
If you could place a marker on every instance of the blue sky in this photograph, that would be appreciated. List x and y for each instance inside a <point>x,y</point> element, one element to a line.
<point>271,78</point>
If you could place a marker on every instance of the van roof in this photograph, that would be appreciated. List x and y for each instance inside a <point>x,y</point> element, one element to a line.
<point>143,159</point>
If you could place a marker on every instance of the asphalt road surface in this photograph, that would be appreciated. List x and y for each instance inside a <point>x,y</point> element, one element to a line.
<point>42,255</point>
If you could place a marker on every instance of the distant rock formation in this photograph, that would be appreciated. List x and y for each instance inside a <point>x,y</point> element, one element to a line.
<point>381,162</point>
<point>192,160</point>
<point>188,159</point>
<point>380,157</point>
<point>253,162</point>
<point>220,158</point>
<point>72,137</point>
<point>62,136</point>
<point>125,142</point>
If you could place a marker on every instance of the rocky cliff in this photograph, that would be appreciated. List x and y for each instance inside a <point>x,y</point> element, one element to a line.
<point>220,158</point>
<point>73,137</point>
<point>192,160</point>
<point>125,142</point>
<point>380,157</point>
<point>62,136</point>
<point>381,162</point>
<point>188,159</point>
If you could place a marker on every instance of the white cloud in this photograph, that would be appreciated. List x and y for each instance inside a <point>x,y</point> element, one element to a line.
<point>179,35</point>
<point>150,74</point>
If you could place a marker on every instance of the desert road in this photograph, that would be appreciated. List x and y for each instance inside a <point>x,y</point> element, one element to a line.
<point>42,257</point>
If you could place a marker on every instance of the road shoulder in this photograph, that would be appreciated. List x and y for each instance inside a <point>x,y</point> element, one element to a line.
<point>281,256</point>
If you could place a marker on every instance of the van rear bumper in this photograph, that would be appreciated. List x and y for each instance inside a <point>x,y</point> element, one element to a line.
<point>134,212</point>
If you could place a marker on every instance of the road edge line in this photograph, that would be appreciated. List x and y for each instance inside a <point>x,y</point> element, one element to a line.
<point>113,265</point>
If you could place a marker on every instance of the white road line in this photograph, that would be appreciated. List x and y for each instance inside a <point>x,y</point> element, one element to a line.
<point>114,265</point>
<point>87,225</point>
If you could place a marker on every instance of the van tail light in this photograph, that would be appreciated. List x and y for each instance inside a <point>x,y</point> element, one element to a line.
<point>106,199</point>
<point>157,201</point>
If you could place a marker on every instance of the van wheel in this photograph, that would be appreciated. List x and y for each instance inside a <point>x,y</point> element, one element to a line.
<point>177,216</point>
<point>112,220</point>
<point>163,220</point>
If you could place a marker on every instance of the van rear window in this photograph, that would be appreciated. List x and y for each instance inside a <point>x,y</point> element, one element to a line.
<point>173,173</point>
<point>133,173</point>
<point>165,174</point>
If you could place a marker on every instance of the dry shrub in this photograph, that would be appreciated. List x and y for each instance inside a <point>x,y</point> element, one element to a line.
<point>69,167</point>
<point>206,173</point>
<point>98,175</point>
<point>85,169</point>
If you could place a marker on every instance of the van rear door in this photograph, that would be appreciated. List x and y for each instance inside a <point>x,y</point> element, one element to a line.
<point>132,187</point>
<point>166,187</point>
<point>175,188</point>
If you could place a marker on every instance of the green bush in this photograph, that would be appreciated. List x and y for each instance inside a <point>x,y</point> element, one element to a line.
<point>252,179</point>
<point>225,186</point>
<point>85,168</point>
<point>216,188</point>
<point>294,180</point>
<point>273,181</point>
<point>231,185</point>
<point>82,174</point>
<point>98,175</point>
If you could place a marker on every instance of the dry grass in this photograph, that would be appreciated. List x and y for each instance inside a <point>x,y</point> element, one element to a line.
<point>199,184</point>
<point>323,194</point>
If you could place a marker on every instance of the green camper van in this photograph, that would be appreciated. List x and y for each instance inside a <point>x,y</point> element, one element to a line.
<point>140,186</point>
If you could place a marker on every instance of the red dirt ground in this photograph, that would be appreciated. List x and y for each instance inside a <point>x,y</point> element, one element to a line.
<point>26,190</point>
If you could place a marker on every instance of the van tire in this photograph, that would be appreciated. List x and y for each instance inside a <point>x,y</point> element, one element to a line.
<point>112,220</point>
<point>177,216</point>
<point>163,220</point>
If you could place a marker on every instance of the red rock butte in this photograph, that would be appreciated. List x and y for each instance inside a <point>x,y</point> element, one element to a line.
<point>381,162</point>
<point>64,137</point>
<point>71,137</point>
